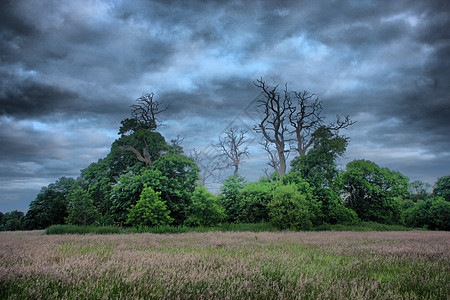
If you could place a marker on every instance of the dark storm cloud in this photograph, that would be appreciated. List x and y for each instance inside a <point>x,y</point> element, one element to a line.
<point>31,99</point>
<point>70,70</point>
<point>11,23</point>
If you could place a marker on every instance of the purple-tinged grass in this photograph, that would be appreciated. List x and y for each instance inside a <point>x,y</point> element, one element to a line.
<point>226,265</point>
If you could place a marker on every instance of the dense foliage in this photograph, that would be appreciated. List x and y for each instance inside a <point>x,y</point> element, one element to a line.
<point>373,191</point>
<point>150,210</point>
<point>144,181</point>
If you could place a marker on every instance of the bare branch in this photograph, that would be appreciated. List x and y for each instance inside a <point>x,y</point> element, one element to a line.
<point>147,109</point>
<point>139,156</point>
<point>231,148</point>
<point>209,166</point>
<point>289,120</point>
<point>274,123</point>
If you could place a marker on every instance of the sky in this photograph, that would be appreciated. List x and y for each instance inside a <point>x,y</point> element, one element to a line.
<point>69,71</point>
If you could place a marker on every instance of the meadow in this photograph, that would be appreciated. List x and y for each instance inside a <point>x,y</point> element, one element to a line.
<point>226,265</point>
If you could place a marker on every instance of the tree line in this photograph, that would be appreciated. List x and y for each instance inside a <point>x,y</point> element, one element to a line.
<point>147,181</point>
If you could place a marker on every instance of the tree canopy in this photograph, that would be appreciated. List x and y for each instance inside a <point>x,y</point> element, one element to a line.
<point>144,181</point>
<point>372,191</point>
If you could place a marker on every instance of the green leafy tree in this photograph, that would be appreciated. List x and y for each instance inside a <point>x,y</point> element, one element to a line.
<point>333,209</point>
<point>204,209</point>
<point>145,145</point>
<point>433,213</point>
<point>50,206</point>
<point>418,190</point>
<point>405,203</point>
<point>442,188</point>
<point>318,166</point>
<point>373,191</point>
<point>12,221</point>
<point>150,210</point>
<point>290,209</point>
<point>129,188</point>
<point>229,198</point>
<point>178,182</point>
<point>81,208</point>
<point>172,174</point>
<point>98,180</point>
<point>254,199</point>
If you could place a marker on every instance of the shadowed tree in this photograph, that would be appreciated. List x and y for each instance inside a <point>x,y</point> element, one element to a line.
<point>373,192</point>
<point>50,206</point>
<point>81,209</point>
<point>289,119</point>
<point>442,187</point>
<point>419,190</point>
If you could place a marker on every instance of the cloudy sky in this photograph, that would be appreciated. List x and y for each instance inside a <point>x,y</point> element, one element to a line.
<point>69,70</point>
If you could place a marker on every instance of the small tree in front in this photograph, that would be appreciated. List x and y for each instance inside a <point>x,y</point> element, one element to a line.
<point>150,210</point>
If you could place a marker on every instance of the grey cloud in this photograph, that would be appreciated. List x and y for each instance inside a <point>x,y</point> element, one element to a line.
<point>11,23</point>
<point>28,99</point>
<point>76,66</point>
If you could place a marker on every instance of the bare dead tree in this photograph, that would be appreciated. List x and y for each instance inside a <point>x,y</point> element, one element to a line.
<point>305,118</point>
<point>274,160</point>
<point>274,123</point>
<point>147,109</point>
<point>209,165</point>
<point>231,147</point>
<point>289,121</point>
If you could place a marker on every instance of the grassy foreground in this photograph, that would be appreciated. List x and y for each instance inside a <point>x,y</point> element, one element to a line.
<point>226,265</point>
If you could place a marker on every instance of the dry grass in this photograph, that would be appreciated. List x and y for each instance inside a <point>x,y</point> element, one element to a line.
<point>231,265</point>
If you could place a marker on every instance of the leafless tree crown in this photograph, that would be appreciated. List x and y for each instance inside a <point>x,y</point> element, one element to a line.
<point>209,166</point>
<point>232,148</point>
<point>146,110</point>
<point>289,121</point>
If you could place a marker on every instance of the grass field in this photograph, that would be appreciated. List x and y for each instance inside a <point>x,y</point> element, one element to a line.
<point>226,265</point>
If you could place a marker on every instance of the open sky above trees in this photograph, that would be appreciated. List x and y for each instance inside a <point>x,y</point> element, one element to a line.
<point>69,71</point>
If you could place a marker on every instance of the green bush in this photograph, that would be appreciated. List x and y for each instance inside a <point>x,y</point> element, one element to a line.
<point>433,213</point>
<point>229,198</point>
<point>204,209</point>
<point>361,226</point>
<point>291,209</point>
<point>150,210</point>
<point>442,188</point>
<point>254,200</point>
<point>81,208</point>
<point>334,211</point>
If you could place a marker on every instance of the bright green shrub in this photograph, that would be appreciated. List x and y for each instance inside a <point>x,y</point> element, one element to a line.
<point>254,198</point>
<point>290,209</point>
<point>204,209</point>
<point>229,198</point>
<point>150,210</point>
